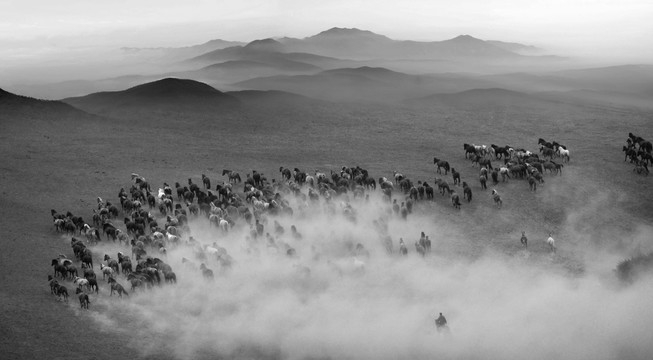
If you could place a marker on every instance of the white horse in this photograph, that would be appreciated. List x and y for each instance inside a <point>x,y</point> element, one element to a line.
<point>497,198</point>
<point>564,154</point>
<point>106,271</point>
<point>505,173</point>
<point>82,283</point>
<point>223,225</point>
<point>551,243</point>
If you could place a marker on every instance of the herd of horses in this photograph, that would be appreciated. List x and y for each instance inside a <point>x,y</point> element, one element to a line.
<point>639,152</point>
<point>147,224</point>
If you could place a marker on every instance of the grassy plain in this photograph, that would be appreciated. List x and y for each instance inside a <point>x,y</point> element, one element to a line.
<point>54,157</point>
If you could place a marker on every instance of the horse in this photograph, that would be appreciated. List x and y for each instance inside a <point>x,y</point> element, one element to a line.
<point>497,198</point>
<point>53,284</point>
<point>233,176</point>
<point>81,283</point>
<point>206,272</point>
<point>441,164</point>
<point>62,292</point>
<point>71,269</point>
<point>106,271</point>
<point>443,186</point>
<point>206,181</point>
<point>83,299</point>
<point>92,234</point>
<point>285,173</point>
<point>500,152</point>
<point>483,162</point>
<point>456,176</point>
<point>403,250</point>
<point>564,154</point>
<point>524,239</point>
<point>398,176</point>
<point>469,149</point>
<point>428,190</point>
<point>455,200</point>
<point>60,270</point>
<point>467,192</point>
<point>115,286</point>
<point>137,281</point>
<point>630,153</point>
<point>112,263</point>
<point>551,243</point>
<point>483,179</point>
<point>532,183</point>
<point>646,146</point>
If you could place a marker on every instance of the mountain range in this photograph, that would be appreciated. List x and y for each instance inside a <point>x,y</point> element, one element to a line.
<point>345,65</point>
<point>222,63</point>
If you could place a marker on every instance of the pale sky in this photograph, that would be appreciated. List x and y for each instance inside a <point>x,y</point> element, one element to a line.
<point>32,30</point>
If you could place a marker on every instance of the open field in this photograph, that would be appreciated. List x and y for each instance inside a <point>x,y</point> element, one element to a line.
<point>55,157</point>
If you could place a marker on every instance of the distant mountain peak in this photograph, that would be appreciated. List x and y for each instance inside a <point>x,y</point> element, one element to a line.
<point>465,38</point>
<point>173,86</point>
<point>339,32</point>
<point>264,45</point>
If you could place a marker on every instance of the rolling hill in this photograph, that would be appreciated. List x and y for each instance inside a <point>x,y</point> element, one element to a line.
<point>168,95</point>
<point>17,108</point>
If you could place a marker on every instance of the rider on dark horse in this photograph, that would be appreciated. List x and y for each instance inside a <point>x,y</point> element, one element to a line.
<point>441,322</point>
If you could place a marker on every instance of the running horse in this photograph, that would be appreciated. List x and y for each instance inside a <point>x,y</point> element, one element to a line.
<point>497,198</point>
<point>234,177</point>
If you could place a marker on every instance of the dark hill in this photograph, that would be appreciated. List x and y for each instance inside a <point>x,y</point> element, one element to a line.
<point>264,45</point>
<point>16,108</point>
<point>169,95</point>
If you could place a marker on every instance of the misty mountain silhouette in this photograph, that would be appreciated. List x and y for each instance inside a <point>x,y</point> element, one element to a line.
<point>365,83</point>
<point>362,44</point>
<point>264,45</point>
<point>171,54</point>
<point>170,95</point>
<point>343,43</point>
<point>346,84</point>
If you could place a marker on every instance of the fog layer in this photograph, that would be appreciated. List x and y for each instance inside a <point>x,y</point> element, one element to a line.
<point>333,300</point>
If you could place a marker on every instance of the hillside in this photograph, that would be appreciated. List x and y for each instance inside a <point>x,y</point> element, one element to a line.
<point>162,96</point>
<point>17,108</point>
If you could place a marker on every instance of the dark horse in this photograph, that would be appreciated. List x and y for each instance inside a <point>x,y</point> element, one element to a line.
<point>206,181</point>
<point>83,298</point>
<point>469,149</point>
<point>441,164</point>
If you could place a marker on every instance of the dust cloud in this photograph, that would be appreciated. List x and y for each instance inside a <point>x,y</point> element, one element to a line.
<point>334,299</point>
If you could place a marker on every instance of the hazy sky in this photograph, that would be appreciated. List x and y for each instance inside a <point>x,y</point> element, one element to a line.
<point>33,29</point>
